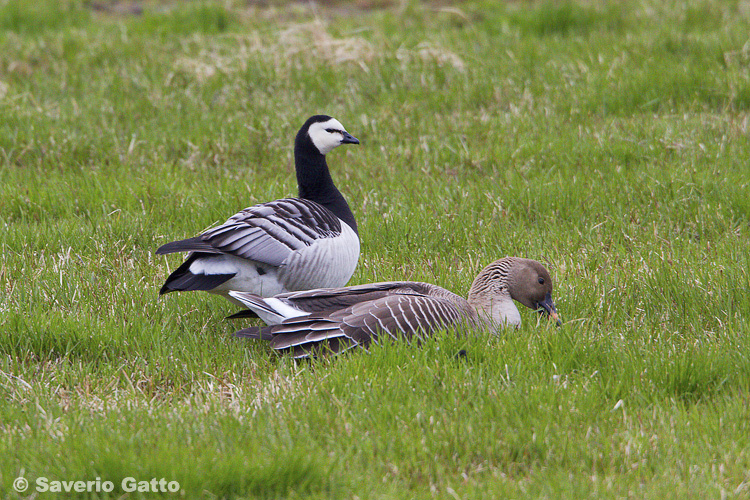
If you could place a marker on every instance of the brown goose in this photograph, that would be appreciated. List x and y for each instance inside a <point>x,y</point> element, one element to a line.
<point>342,318</point>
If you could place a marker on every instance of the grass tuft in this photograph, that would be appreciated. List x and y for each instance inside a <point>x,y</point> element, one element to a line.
<point>35,18</point>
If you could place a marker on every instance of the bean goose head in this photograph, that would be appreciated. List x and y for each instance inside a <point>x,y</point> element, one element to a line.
<point>508,279</point>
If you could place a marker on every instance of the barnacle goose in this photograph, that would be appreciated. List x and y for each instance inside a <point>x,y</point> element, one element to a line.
<point>283,245</point>
<point>339,319</point>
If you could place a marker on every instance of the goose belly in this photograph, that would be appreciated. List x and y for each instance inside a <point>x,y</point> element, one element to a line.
<point>327,263</point>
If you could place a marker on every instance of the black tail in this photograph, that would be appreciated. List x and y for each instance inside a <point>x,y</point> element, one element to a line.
<point>245,313</point>
<point>255,332</point>
<point>182,280</point>
<point>189,245</point>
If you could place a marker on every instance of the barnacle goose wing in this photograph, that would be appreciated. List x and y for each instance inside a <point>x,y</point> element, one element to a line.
<point>267,232</point>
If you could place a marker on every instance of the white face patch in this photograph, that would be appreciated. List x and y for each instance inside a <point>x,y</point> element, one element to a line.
<point>324,140</point>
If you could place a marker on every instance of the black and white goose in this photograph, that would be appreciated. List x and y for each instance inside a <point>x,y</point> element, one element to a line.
<point>339,319</point>
<point>283,245</point>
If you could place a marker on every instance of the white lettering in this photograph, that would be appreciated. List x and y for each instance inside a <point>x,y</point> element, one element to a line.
<point>128,484</point>
<point>41,484</point>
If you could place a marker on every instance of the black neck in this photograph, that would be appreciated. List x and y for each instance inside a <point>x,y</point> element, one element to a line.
<point>315,183</point>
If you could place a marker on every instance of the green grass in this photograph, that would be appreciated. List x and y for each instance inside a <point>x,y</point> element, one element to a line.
<point>606,139</point>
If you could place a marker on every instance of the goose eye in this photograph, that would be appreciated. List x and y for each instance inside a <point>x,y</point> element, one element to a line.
<point>541,281</point>
<point>332,131</point>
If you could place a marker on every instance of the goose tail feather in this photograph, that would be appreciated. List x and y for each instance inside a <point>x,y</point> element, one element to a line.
<point>254,332</point>
<point>195,244</point>
<point>183,280</point>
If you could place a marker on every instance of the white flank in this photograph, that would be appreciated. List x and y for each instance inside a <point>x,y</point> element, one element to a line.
<point>327,263</point>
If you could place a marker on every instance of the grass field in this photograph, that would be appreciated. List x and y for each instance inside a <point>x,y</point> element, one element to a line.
<point>609,140</point>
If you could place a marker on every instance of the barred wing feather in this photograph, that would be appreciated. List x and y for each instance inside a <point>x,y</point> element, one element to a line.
<point>324,300</point>
<point>396,316</point>
<point>268,232</point>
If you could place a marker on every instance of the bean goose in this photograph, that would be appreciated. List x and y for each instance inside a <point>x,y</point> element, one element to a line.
<point>342,318</point>
<point>283,245</point>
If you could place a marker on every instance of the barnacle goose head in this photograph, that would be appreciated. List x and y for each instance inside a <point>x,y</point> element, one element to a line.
<point>326,133</point>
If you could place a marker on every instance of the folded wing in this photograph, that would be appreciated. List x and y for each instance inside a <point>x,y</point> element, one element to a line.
<point>265,233</point>
<point>396,311</point>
